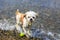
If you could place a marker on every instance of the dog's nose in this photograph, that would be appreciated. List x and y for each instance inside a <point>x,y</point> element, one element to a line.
<point>31,19</point>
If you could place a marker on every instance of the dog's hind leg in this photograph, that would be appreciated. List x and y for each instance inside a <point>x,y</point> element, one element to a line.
<point>17,23</point>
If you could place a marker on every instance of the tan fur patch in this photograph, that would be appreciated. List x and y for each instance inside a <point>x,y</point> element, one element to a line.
<point>21,16</point>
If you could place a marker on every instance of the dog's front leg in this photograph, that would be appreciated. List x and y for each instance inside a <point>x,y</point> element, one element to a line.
<point>29,32</point>
<point>25,30</point>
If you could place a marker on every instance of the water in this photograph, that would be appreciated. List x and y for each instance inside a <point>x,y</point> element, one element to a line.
<point>47,26</point>
<point>8,24</point>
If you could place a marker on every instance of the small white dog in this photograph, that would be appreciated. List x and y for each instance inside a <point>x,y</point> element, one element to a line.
<point>25,20</point>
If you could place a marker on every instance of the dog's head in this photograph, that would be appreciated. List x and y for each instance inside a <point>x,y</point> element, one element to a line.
<point>31,16</point>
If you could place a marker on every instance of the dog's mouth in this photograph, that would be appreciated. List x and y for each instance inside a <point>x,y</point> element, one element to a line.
<point>30,23</point>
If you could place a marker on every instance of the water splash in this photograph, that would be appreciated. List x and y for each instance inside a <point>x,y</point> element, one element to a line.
<point>5,25</point>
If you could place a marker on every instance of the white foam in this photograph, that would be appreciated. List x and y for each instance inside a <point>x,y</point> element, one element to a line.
<point>5,25</point>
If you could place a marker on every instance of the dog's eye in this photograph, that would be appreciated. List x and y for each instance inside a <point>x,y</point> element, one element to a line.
<point>28,17</point>
<point>33,17</point>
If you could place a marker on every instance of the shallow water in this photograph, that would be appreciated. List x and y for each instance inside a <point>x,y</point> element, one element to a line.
<point>47,25</point>
<point>38,31</point>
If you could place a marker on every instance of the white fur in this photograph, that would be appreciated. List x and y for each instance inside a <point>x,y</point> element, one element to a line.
<point>29,15</point>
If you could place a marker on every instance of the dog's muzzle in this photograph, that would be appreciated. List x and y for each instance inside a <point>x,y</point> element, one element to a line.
<point>31,20</point>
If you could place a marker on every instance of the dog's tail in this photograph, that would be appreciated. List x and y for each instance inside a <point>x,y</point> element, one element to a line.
<point>17,11</point>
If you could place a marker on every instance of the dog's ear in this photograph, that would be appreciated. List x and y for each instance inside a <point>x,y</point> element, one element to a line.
<point>17,9</point>
<point>24,15</point>
<point>37,15</point>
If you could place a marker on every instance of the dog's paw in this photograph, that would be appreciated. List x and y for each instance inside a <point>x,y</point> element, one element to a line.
<point>27,36</point>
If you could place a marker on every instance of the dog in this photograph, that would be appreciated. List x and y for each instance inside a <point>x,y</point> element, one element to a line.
<point>25,20</point>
